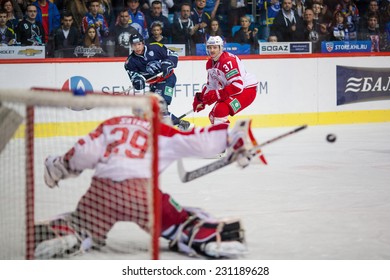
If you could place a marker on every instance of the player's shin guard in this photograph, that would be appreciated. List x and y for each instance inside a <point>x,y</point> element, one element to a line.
<point>206,236</point>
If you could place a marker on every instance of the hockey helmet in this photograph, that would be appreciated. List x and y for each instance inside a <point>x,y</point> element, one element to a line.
<point>136,38</point>
<point>215,41</point>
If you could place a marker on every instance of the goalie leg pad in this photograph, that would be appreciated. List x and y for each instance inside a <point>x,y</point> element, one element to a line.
<point>201,234</point>
<point>60,238</point>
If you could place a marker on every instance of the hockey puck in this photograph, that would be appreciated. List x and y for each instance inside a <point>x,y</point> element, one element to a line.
<point>331,138</point>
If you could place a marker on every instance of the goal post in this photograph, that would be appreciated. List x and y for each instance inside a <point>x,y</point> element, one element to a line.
<point>52,122</point>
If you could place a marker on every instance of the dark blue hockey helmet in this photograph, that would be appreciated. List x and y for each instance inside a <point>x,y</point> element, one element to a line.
<point>136,38</point>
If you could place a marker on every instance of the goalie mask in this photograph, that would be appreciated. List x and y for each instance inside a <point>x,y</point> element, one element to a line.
<point>214,47</point>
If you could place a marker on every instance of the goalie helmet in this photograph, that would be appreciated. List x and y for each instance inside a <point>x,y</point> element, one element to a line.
<point>214,41</point>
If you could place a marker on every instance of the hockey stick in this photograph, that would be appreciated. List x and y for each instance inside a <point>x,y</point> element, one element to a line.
<point>185,114</point>
<point>187,176</point>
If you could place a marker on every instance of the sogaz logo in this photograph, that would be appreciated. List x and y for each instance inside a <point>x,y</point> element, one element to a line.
<point>77,83</point>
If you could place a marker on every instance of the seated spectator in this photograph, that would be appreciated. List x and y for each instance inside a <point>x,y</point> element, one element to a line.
<point>272,38</point>
<point>66,38</point>
<point>247,36</point>
<point>120,34</point>
<point>91,38</point>
<point>29,32</point>
<point>165,6</point>
<point>155,14</point>
<point>312,30</point>
<point>338,28</point>
<point>372,7</point>
<point>351,14</point>
<point>299,7</point>
<point>78,9</point>
<point>371,32</point>
<point>14,13</point>
<point>214,29</point>
<point>157,37</point>
<point>8,36</point>
<point>50,18</point>
<point>183,28</point>
<point>137,18</point>
<point>91,44</point>
<point>107,10</point>
<point>97,20</point>
<point>288,26</point>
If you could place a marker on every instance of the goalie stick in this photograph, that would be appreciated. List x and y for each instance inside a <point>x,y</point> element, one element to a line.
<point>187,176</point>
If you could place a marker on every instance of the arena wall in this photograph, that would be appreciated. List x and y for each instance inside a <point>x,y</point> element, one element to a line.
<point>292,91</point>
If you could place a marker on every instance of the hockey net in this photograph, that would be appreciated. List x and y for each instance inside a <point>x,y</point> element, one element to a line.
<point>52,123</point>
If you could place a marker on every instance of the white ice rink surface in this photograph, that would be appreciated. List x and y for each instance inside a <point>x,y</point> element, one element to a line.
<point>313,201</point>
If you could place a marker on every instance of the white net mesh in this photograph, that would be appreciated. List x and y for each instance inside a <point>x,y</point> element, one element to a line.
<point>83,211</point>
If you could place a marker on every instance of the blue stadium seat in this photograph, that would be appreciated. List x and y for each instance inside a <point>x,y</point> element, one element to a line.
<point>235,29</point>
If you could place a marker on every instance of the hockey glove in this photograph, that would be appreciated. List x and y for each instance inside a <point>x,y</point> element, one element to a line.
<point>197,105</point>
<point>56,170</point>
<point>167,67</point>
<point>138,82</point>
<point>213,96</point>
<point>153,68</point>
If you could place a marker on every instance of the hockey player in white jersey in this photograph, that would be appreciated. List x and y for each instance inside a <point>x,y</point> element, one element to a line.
<point>118,152</point>
<point>229,88</point>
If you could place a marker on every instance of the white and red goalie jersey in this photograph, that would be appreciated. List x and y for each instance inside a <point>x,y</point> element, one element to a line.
<point>228,74</point>
<point>118,149</point>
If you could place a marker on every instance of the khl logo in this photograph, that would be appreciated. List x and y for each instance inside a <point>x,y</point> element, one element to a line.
<point>77,83</point>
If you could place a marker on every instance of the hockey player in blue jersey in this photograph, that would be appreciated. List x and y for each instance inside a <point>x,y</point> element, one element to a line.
<point>154,64</point>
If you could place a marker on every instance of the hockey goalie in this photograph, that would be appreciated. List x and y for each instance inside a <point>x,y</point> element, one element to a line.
<point>117,151</point>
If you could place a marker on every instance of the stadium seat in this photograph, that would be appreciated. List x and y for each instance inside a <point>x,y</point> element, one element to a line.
<point>235,29</point>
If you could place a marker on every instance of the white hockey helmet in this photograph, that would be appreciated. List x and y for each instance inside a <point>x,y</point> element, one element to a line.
<point>214,41</point>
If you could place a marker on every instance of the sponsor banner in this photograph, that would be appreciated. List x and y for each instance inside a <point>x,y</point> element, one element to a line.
<point>11,52</point>
<point>285,47</point>
<point>179,48</point>
<point>233,48</point>
<point>358,84</point>
<point>346,46</point>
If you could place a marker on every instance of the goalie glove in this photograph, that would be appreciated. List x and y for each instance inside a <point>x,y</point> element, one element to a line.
<point>167,67</point>
<point>55,170</point>
<point>240,141</point>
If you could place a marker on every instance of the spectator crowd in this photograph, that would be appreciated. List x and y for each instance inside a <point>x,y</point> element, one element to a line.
<point>74,28</point>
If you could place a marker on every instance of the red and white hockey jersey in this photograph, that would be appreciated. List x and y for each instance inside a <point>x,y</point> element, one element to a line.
<point>118,148</point>
<point>228,73</point>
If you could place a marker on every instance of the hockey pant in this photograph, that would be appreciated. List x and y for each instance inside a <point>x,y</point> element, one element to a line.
<point>232,105</point>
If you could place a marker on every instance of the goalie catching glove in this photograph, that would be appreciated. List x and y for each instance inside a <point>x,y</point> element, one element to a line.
<point>240,141</point>
<point>57,169</point>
